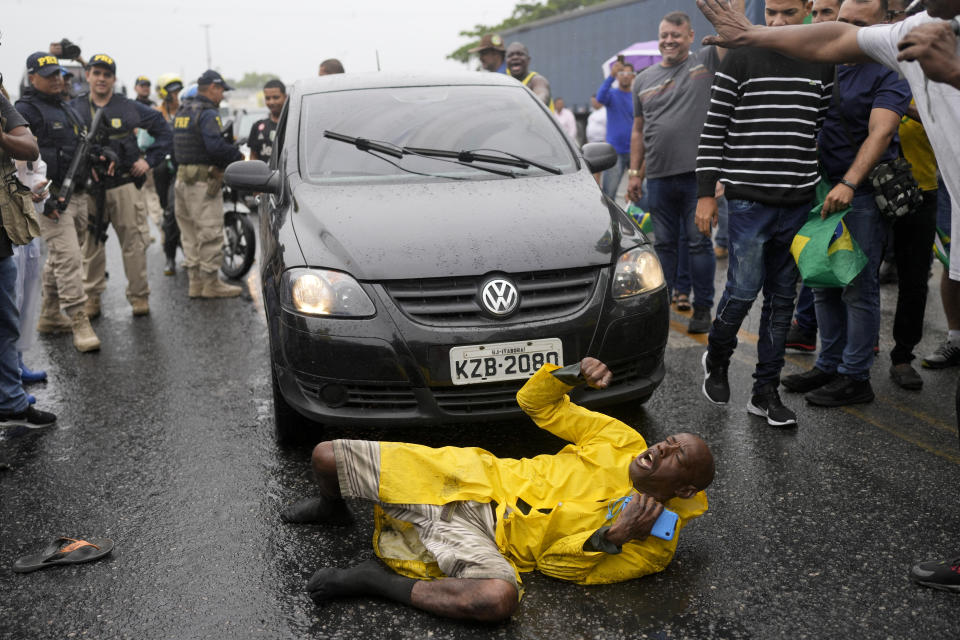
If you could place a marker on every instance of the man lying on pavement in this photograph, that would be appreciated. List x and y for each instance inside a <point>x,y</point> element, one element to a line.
<point>458,525</point>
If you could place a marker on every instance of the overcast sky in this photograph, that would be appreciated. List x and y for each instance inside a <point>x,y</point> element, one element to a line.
<point>285,37</point>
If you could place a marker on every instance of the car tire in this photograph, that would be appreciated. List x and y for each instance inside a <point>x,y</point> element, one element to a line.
<point>239,244</point>
<point>290,428</point>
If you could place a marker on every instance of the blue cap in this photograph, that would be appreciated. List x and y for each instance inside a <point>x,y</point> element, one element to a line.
<point>43,64</point>
<point>212,77</point>
<point>103,60</point>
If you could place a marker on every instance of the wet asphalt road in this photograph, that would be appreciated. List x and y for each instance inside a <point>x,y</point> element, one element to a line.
<point>164,444</point>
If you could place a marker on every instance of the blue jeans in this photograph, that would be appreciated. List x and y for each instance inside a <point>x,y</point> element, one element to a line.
<point>849,318</point>
<point>806,315</point>
<point>759,260</point>
<point>12,397</point>
<point>683,264</point>
<point>673,201</point>
<point>721,239</point>
<point>613,175</point>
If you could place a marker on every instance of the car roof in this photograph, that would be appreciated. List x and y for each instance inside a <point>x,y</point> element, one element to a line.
<point>381,79</point>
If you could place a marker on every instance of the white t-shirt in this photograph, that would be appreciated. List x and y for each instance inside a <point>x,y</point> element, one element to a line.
<point>567,122</point>
<point>597,125</point>
<point>938,104</point>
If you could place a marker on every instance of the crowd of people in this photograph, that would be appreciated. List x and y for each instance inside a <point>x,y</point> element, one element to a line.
<point>753,126</point>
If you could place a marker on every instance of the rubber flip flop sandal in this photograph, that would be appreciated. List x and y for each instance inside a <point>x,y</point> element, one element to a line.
<point>65,551</point>
<point>683,302</point>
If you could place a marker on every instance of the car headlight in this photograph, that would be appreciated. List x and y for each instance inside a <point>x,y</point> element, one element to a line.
<point>637,271</point>
<point>321,292</point>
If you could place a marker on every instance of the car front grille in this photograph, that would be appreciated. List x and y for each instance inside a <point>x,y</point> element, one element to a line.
<point>478,399</point>
<point>454,301</point>
<point>361,396</point>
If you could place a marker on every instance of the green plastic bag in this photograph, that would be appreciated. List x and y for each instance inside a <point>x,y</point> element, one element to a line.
<point>826,254</point>
<point>641,217</point>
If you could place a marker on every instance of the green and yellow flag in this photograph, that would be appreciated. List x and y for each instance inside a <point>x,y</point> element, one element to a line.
<point>826,254</point>
<point>641,217</point>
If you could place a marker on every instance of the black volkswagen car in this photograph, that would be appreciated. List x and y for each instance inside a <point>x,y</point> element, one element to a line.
<point>427,243</point>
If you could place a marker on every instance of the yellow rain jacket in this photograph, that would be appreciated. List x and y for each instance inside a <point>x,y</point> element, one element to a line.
<point>547,506</point>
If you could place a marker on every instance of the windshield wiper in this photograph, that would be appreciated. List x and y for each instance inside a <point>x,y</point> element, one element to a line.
<point>466,158</point>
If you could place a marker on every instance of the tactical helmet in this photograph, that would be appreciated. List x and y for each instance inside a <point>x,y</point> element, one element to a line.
<point>167,84</point>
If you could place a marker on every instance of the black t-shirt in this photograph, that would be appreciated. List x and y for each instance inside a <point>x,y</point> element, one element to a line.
<point>12,120</point>
<point>261,137</point>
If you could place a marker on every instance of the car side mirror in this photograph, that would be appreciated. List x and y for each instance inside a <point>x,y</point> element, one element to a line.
<point>253,175</point>
<point>599,156</point>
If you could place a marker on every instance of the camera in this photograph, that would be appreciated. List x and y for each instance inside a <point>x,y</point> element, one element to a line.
<point>69,50</point>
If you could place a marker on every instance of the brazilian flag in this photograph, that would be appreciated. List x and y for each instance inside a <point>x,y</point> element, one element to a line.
<point>941,247</point>
<point>826,253</point>
<point>641,217</point>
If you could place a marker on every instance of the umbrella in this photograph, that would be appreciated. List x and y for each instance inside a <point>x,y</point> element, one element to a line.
<point>639,54</point>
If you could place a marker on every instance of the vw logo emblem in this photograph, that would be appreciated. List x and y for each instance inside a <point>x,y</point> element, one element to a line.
<point>499,296</point>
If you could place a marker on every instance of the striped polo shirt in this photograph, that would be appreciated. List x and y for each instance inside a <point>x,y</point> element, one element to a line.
<point>760,135</point>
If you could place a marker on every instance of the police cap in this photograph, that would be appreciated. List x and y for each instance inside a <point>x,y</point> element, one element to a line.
<point>212,77</point>
<point>43,64</point>
<point>103,60</point>
<point>143,80</point>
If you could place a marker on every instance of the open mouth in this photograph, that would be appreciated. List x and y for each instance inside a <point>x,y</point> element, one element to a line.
<point>646,460</point>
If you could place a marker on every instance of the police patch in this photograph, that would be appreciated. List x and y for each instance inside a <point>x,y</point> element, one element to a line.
<point>116,123</point>
<point>56,126</point>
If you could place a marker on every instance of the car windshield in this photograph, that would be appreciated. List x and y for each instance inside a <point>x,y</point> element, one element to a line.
<point>458,118</point>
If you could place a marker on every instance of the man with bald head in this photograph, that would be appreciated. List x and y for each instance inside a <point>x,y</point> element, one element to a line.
<point>459,525</point>
<point>518,66</point>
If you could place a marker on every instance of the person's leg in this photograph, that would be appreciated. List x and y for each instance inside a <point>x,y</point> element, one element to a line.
<point>666,228</point>
<point>913,238</point>
<point>948,353</point>
<point>94,261</point>
<point>779,289</point>
<point>832,324</point>
<point>129,217</point>
<point>13,399</point>
<point>613,176</point>
<point>329,507</point>
<point>703,262</point>
<point>721,238</point>
<point>862,296</point>
<point>806,314</point>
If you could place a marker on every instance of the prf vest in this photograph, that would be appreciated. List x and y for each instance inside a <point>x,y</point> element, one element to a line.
<point>188,146</point>
<point>57,135</point>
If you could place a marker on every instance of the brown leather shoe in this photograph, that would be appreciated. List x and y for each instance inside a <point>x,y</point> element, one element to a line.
<point>141,306</point>
<point>84,339</point>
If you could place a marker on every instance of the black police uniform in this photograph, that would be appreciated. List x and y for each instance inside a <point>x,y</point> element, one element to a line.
<point>197,135</point>
<point>57,127</point>
<point>262,134</point>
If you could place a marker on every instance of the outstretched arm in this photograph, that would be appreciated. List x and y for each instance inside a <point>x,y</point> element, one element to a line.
<point>824,42</point>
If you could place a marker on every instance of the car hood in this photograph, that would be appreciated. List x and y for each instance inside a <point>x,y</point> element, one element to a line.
<point>423,230</point>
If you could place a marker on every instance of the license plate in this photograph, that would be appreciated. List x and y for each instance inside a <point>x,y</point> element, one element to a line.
<point>503,360</point>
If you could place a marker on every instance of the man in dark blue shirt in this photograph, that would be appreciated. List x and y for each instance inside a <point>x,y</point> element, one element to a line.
<point>202,155</point>
<point>121,119</point>
<point>619,103</point>
<point>859,133</point>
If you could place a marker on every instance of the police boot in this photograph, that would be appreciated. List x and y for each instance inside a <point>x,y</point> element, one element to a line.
<point>92,307</point>
<point>51,319</point>
<point>84,339</point>
<point>141,306</point>
<point>214,287</point>
<point>195,278</point>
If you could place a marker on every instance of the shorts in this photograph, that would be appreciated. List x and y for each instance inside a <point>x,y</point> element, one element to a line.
<point>460,536</point>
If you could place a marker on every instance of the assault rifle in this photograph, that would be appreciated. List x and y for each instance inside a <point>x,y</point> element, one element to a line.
<point>78,171</point>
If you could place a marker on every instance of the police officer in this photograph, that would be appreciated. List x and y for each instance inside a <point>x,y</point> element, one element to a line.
<point>169,86</point>
<point>124,207</point>
<point>58,128</point>
<point>263,132</point>
<point>142,89</point>
<point>202,154</point>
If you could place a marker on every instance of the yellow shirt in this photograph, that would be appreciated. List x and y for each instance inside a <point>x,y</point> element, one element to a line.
<point>918,152</point>
<point>568,492</point>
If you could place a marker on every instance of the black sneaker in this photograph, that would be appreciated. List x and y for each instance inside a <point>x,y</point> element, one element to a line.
<point>808,380</point>
<point>715,384</point>
<point>800,339</point>
<point>906,376</point>
<point>700,321</point>
<point>767,404</point>
<point>939,574</point>
<point>842,391</point>
<point>31,419</point>
<point>946,355</point>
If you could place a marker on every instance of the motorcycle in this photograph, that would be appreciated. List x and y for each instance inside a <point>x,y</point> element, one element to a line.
<point>239,239</point>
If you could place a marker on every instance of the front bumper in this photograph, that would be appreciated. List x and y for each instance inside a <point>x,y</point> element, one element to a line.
<point>391,370</point>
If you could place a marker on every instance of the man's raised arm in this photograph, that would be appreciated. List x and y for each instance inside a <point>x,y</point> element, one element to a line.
<point>824,42</point>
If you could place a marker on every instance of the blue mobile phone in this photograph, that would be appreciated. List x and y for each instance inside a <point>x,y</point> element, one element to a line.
<point>666,525</point>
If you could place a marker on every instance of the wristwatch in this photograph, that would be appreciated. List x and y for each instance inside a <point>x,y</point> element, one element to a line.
<point>633,173</point>
<point>846,182</point>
